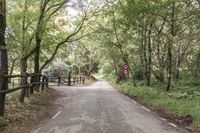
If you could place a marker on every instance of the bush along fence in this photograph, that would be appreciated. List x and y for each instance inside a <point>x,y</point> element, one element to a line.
<point>30,83</point>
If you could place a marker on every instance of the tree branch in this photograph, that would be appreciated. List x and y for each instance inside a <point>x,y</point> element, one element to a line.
<point>79,27</point>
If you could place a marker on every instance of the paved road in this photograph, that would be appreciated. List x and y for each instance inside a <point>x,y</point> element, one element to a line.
<point>101,109</point>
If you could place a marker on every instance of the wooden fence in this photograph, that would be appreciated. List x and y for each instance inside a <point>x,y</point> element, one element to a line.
<point>30,83</point>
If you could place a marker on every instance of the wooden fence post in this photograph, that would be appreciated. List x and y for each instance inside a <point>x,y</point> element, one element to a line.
<point>69,79</point>
<point>47,82</point>
<point>77,79</point>
<point>74,80</point>
<point>39,78</point>
<point>59,79</point>
<point>27,89</point>
<point>83,80</point>
<point>32,85</point>
<point>43,81</point>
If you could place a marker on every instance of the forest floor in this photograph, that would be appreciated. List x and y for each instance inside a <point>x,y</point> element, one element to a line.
<point>19,117</point>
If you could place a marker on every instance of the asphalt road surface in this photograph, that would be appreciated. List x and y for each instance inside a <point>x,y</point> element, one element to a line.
<point>99,108</point>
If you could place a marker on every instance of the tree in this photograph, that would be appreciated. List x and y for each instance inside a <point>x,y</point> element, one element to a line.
<point>3,56</point>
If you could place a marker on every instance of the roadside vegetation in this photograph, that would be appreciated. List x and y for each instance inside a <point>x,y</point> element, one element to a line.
<point>181,102</point>
<point>149,49</point>
<point>18,117</point>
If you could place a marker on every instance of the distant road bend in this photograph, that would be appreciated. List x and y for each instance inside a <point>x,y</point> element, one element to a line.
<point>99,108</point>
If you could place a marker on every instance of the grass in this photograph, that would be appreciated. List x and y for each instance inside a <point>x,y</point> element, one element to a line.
<point>38,99</point>
<point>180,101</point>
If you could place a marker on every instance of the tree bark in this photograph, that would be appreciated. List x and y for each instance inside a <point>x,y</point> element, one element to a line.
<point>3,56</point>
<point>12,66</point>
<point>37,56</point>
<point>149,56</point>
<point>23,82</point>
<point>170,47</point>
<point>141,52</point>
<point>145,56</point>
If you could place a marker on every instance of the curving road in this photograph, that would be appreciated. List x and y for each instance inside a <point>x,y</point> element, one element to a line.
<point>99,108</point>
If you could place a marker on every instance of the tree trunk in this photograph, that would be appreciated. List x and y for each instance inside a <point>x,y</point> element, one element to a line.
<point>23,82</point>
<point>170,47</point>
<point>141,53</point>
<point>38,39</point>
<point>169,65</point>
<point>177,71</point>
<point>37,60</point>
<point>149,56</point>
<point>160,76</point>
<point>145,56</point>
<point>12,66</point>
<point>37,55</point>
<point>3,56</point>
<point>115,66</point>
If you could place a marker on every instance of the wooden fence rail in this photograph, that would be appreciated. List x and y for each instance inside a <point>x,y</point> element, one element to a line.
<point>33,82</point>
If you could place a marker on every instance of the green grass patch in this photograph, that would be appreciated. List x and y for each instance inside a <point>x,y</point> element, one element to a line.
<point>177,102</point>
<point>36,101</point>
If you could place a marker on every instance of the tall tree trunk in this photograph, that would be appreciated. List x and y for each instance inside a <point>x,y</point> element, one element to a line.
<point>145,56</point>
<point>38,38</point>
<point>170,47</point>
<point>149,56</point>
<point>177,71</point>
<point>114,64</point>
<point>160,76</point>
<point>3,56</point>
<point>37,56</point>
<point>37,63</point>
<point>169,65</point>
<point>23,60</point>
<point>141,52</point>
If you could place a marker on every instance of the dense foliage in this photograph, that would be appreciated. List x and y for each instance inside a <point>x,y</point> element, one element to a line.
<point>159,41</point>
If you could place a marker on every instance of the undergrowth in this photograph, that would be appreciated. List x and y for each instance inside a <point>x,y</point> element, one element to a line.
<point>17,112</point>
<point>183,99</point>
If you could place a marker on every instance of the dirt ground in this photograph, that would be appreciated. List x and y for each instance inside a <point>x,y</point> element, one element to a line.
<point>20,117</point>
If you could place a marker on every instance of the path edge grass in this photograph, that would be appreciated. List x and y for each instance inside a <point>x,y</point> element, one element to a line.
<point>23,116</point>
<point>161,103</point>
